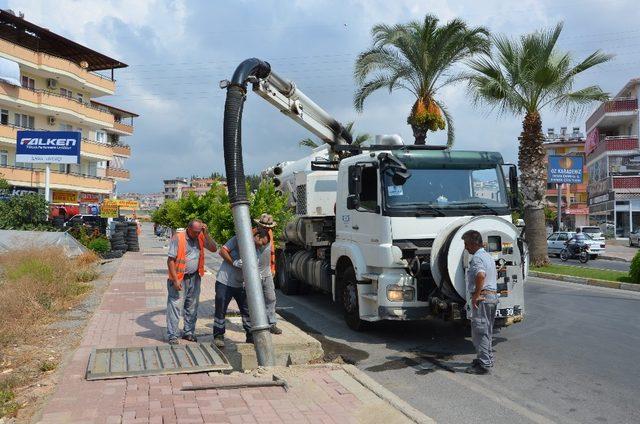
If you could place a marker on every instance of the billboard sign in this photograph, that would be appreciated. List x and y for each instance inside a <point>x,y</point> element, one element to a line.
<point>109,210</point>
<point>64,197</point>
<point>89,198</point>
<point>565,169</point>
<point>48,146</point>
<point>123,203</point>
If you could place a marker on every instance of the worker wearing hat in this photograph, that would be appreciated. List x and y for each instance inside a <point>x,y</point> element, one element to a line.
<point>266,273</point>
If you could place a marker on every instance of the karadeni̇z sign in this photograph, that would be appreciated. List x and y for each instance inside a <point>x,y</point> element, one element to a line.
<point>48,147</point>
<point>565,169</point>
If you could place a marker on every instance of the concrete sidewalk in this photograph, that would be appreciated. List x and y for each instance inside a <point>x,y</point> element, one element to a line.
<point>132,314</point>
<point>619,250</point>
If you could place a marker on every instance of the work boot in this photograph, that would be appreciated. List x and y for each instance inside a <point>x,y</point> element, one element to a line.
<point>249,338</point>
<point>190,338</point>
<point>477,362</point>
<point>218,341</point>
<point>173,341</point>
<point>275,330</point>
<point>477,369</point>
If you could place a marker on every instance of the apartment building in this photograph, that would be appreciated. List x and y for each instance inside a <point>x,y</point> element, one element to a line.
<point>200,186</point>
<point>147,201</point>
<point>613,159</point>
<point>573,197</point>
<point>58,84</point>
<point>173,188</point>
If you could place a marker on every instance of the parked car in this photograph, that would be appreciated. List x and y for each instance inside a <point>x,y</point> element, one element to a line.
<point>557,241</point>
<point>592,231</point>
<point>634,237</point>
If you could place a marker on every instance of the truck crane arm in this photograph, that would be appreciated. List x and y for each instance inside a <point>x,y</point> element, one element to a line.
<point>290,100</point>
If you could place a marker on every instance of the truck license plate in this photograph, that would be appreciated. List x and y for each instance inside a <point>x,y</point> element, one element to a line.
<point>506,312</point>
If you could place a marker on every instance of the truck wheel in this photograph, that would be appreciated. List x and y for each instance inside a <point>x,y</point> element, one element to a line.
<point>287,284</point>
<point>350,301</point>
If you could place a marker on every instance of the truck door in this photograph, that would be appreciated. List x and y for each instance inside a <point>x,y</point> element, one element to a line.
<point>366,224</point>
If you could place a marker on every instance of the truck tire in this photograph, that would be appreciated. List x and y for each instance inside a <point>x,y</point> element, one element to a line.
<point>350,301</point>
<point>288,285</point>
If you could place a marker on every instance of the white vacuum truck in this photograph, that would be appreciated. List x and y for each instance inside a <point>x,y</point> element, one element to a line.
<point>380,227</point>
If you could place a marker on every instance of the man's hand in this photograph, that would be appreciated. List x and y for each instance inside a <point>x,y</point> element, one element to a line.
<point>177,285</point>
<point>476,297</point>
<point>237,263</point>
<point>204,228</point>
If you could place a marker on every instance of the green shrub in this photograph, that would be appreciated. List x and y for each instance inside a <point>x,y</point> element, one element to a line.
<point>26,212</point>
<point>634,270</point>
<point>99,245</point>
<point>8,406</point>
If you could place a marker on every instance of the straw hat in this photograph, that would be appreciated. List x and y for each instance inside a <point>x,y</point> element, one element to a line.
<point>266,221</point>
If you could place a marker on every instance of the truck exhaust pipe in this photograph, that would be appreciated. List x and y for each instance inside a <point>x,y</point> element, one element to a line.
<point>234,168</point>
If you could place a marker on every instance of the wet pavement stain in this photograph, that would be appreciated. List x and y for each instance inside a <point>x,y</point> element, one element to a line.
<point>332,349</point>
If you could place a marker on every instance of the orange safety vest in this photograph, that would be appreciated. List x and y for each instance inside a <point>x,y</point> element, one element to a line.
<point>273,253</point>
<point>181,257</point>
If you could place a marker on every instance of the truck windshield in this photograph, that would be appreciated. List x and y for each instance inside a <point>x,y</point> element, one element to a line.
<point>448,189</point>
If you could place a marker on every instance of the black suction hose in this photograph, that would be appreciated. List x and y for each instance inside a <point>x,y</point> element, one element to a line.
<point>232,126</point>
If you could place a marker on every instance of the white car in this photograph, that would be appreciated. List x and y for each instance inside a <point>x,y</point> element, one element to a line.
<point>557,241</point>
<point>592,231</point>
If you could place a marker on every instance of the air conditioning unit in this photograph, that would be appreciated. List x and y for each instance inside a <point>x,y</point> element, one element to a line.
<point>52,83</point>
<point>51,120</point>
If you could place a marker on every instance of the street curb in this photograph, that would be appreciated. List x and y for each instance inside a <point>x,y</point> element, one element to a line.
<point>613,258</point>
<point>384,394</point>
<point>587,281</point>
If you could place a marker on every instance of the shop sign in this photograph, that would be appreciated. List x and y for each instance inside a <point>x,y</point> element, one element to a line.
<point>565,169</point>
<point>577,211</point>
<point>64,197</point>
<point>109,210</point>
<point>123,203</point>
<point>89,198</point>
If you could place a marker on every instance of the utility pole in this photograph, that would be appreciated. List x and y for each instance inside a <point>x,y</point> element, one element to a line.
<point>558,189</point>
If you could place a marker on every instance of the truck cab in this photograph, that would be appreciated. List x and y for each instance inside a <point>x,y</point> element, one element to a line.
<point>399,218</point>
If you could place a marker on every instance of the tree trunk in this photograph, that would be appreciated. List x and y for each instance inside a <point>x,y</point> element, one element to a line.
<point>533,170</point>
<point>420,135</point>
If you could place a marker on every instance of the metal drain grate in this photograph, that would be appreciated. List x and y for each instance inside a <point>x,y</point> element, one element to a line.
<point>122,362</point>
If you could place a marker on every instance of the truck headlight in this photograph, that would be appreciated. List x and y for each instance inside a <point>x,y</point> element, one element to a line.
<point>396,293</point>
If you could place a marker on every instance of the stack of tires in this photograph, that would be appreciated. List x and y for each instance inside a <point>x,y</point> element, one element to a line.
<point>132,237</point>
<point>118,237</point>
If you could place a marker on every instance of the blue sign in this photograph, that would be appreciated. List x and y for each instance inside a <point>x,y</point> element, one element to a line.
<point>48,147</point>
<point>565,169</point>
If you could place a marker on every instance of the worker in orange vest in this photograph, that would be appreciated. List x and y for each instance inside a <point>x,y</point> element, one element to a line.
<point>266,275</point>
<point>185,263</point>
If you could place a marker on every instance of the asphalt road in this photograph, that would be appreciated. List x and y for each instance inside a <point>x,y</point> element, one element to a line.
<point>595,263</point>
<point>574,359</point>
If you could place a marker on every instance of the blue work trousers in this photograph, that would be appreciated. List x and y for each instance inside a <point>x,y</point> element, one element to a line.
<point>189,297</point>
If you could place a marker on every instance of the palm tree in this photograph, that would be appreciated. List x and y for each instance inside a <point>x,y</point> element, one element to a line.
<point>524,77</point>
<point>358,140</point>
<point>418,57</point>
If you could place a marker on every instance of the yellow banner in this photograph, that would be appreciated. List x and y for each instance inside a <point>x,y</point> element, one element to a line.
<point>109,211</point>
<point>64,197</point>
<point>123,204</point>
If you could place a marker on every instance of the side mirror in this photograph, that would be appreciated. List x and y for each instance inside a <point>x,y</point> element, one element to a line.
<point>355,179</point>
<point>513,187</point>
<point>353,202</point>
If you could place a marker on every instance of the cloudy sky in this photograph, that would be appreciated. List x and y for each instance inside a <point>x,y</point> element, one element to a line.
<point>178,51</point>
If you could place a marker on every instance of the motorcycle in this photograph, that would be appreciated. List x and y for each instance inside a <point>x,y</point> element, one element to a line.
<point>580,252</point>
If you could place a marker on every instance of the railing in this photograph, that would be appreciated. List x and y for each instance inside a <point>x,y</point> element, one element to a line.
<point>121,150</point>
<point>620,104</point>
<point>72,180</point>
<point>43,59</point>
<point>614,143</point>
<point>120,126</point>
<point>117,173</point>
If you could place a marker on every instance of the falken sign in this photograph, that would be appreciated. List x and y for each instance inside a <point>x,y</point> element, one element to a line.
<point>565,169</point>
<point>48,147</point>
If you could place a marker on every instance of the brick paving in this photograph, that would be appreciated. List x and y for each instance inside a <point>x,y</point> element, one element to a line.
<point>132,314</point>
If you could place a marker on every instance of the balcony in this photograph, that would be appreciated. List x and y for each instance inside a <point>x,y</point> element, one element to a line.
<point>615,106</point>
<point>59,180</point>
<point>118,173</point>
<point>122,128</point>
<point>90,148</point>
<point>614,144</point>
<point>57,65</point>
<point>53,103</point>
<point>121,150</point>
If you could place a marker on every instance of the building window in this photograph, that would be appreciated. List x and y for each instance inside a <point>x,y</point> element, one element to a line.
<point>101,136</point>
<point>4,117</point>
<point>28,83</point>
<point>25,121</point>
<point>80,98</point>
<point>4,157</point>
<point>66,127</point>
<point>93,169</point>
<point>66,93</point>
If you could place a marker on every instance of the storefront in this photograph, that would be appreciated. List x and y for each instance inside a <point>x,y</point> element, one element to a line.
<point>616,217</point>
